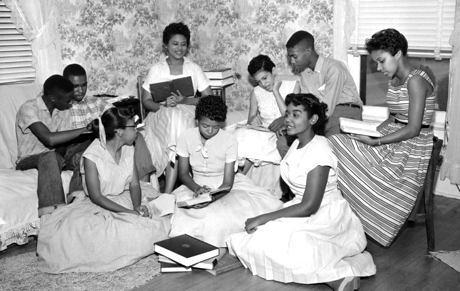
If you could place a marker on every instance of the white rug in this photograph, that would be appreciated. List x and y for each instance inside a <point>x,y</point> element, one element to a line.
<point>20,273</point>
<point>450,258</point>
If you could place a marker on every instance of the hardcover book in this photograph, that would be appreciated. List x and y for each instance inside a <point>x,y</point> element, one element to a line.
<point>219,73</point>
<point>203,198</point>
<point>164,88</point>
<point>173,268</point>
<point>368,128</point>
<point>221,82</point>
<point>206,265</point>
<point>186,250</point>
<point>225,264</point>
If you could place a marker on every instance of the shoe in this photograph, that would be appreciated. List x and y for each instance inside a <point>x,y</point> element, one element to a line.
<point>345,284</point>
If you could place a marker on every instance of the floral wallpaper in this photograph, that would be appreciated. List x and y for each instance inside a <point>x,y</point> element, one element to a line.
<point>117,40</point>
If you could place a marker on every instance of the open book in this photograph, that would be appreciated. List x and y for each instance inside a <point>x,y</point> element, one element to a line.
<point>255,127</point>
<point>163,88</point>
<point>368,128</point>
<point>203,198</point>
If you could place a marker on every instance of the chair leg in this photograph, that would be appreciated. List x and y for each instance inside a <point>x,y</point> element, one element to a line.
<point>429,220</point>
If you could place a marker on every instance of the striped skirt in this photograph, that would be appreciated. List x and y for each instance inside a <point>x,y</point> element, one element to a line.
<point>381,183</point>
<point>162,130</point>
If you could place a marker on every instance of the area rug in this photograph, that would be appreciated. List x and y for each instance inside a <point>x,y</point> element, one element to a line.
<point>450,258</point>
<point>20,273</point>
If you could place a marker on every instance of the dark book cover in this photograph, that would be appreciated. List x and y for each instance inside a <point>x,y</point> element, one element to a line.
<point>225,264</point>
<point>162,90</point>
<point>186,250</point>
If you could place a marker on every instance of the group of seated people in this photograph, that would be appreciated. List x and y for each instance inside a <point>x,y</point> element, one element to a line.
<point>344,186</point>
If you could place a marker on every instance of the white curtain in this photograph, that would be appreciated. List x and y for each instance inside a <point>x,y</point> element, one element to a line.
<point>38,20</point>
<point>451,164</point>
<point>344,25</point>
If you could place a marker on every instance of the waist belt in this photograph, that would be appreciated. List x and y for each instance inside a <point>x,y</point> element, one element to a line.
<point>423,125</point>
<point>352,105</point>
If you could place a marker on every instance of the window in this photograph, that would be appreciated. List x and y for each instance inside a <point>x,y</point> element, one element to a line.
<point>16,59</point>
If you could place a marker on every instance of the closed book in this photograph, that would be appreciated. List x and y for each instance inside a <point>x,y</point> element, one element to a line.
<point>368,128</point>
<point>173,268</point>
<point>225,264</point>
<point>203,198</point>
<point>219,73</point>
<point>206,265</point>
<point>163,88</point>
<point>186,250</point>
<point>221,82</point>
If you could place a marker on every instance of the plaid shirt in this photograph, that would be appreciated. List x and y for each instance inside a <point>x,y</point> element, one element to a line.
<point>33,111</point>
<point>87,110</point>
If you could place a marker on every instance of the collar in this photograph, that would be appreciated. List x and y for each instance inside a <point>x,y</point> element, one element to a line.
<point>41,103</point>
<point>186,60</point>
<point>319,64</point>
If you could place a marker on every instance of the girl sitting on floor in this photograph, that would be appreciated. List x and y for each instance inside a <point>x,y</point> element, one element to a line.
<point>314,238</point>
<point>207,157</point>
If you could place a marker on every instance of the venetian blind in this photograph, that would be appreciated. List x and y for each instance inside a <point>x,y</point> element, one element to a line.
<point>427,24</point>
<point>16,60</point>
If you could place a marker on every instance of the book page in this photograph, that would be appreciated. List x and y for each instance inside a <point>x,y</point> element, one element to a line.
<point>193,201</point>
<point>359,127</point>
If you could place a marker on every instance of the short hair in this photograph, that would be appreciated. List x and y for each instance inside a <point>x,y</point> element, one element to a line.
<point>312,106</point>
<point>301,37</point>
<point>389,40</point>
<point>176,28</point>
<point>57,85</point>
<point>261,62</point>
<point>212,107</point>
<point>73,70</point>
<point>112,119</point>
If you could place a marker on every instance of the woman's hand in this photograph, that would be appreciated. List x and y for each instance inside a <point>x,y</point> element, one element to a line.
<point>372,141</point>
<point>171,101</point>
<point>252,224</point>
<point>178,96</point>
<point>142,210</point>
<point>276,86</point>
<point>201,205</point>
<point>201,190</point>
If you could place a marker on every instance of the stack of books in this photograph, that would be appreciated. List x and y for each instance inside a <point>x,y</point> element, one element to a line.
<point>220,77</point>
<point>184,253</point>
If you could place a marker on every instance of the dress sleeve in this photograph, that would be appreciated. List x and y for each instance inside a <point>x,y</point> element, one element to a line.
<point>202,82</point>
<point>182,148</point>
<point>231,153</point>
<point>26,116</point>
<point>154,72</point>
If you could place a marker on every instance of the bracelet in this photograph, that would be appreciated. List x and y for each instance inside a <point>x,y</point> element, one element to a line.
<point>380,143</point>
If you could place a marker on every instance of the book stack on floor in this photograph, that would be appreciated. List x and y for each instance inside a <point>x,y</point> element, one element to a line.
<point>184,253</point>
<point>220,77</point>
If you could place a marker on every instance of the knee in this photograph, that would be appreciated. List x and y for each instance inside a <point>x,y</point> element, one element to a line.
<point>51,157</point>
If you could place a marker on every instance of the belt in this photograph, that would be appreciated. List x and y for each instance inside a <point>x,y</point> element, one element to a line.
<point>423,125</point>
<point>352,105</point>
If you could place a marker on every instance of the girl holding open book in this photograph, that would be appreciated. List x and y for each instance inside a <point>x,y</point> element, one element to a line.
<point>381,177</point>
<point>207,157</point>
<point>168,119</point>
<point>315,237</point>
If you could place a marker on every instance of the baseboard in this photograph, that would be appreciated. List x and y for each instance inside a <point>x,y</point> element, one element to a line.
<point>445,188</point>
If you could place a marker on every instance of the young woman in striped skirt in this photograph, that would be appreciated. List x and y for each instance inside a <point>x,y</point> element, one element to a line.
<point>381,177</point>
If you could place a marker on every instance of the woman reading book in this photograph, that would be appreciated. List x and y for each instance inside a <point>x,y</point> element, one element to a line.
<point>266,104</point>
<point>315,237</point>
<point>168,119</point>
<point>381,176</point>
<point>107,226</point>
<point>207,157</point>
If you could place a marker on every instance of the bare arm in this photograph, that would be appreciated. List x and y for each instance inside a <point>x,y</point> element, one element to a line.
<point>186,178</point>
<point>53,139</point>
<point>148,103</point>
<point>311,201</point>
<point>279,100</point>
<point>135,188</point>
<point>253,107</point>
<point>94,189</point>
<point>194,101</point>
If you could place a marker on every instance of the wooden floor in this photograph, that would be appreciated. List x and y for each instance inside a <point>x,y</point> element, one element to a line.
<point>406,265</point>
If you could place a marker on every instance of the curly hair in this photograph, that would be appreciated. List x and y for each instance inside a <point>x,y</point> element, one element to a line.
<point>312,106</point>
<point>176,28</point>
<point>389,40</point>
<point>112,119</point>
<point>259,63</point>
<point>212,107</point>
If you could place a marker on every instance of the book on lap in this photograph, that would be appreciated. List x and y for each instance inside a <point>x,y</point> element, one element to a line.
<point>163,88</point>
<point>173,268</point>
<point>203,198</point>
<point>186,250</point>
<point>368,128</point>
<point>206,265</point>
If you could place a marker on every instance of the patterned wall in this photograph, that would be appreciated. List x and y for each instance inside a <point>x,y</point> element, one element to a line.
<point>117,40</point>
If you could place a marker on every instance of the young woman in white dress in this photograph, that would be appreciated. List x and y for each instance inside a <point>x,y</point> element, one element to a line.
<point>315,237</point>
<point>266,104</point>
<point>168,119</point>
